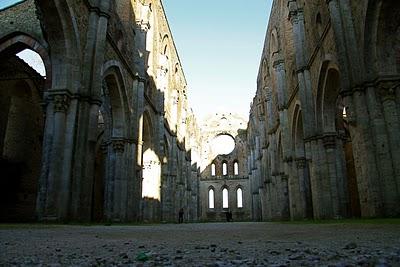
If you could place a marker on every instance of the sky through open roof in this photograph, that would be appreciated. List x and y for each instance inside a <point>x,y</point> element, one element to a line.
<point>219,44</point>
<point>7,3</point>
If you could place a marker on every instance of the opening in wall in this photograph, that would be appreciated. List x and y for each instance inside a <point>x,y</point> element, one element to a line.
<point>225,200</point>
<point>236,168</point>
<point>211,198</point>
<point>224,168</point>
<point>239,195</point>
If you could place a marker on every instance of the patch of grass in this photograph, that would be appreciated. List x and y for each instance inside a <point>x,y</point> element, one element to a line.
<point>11,226</point>
<point>395,221</point>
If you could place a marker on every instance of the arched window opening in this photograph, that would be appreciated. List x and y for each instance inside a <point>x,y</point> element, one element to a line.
<point>239,196</point>
<point>213,169</point>
<point>344,113</point>
<point>211,198</point>
<point>236,168</point>
<point>224,168</point>
<point>34,60</point>
<point>225,200</point>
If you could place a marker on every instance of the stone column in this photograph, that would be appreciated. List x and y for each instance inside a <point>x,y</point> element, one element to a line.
<point>5,101</point>
<point>57,185</point>
<point>167,190</point>
<point>346,44</point>
<point>364,156</point>
<point>86,110</point>
<point>329,141</point>
<point>391,189</point>
<point>296,17</point>
<point>119,180</point>
<point>139,152</point>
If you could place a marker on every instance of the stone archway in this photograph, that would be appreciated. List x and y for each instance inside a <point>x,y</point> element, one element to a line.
<point>335,147</point>
<point>301,186</point>
<point>21,133</point>
<point>382,152</point>
<point>111,147</point>
<point>151,182</point>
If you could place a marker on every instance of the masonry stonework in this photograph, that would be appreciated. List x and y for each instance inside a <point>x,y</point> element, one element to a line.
<point>108,134</point>
<point>118,135</point>
<point>324,124</point>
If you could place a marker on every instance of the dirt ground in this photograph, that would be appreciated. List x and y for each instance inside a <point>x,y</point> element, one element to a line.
<point>202,244</point>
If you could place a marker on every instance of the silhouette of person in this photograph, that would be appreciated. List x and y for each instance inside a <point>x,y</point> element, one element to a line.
<point>228,215</point>
<point>181,215</point>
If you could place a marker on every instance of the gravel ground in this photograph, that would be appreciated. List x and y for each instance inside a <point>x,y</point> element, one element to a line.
<point>207,244</point>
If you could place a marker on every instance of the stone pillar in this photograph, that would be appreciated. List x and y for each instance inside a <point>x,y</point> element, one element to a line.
<point>119,180</point>
<point>364,157</point>
<point>53,197</point>
<point>139,153</point>
<point>303,74</point>
<point>86,110</point>
<point>46,159</point>
<point>380,137</point>
<point>329,142</point>
<point>346,43</point>
<point>62,190</point>
<point>166,191</point>
<point>301,170</point>
<point>391,189</point>
<point>5,101</point>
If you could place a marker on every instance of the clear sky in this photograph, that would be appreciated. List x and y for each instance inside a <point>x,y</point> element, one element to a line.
<point>6,3</point>
<point>219,43</point>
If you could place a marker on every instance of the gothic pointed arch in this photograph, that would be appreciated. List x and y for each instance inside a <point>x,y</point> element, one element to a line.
<point>381,38</point>
<point>19,41</point>
<point>21,138</point>
<point>151,174</point>
<point>114,89</point>
<point>327,97</point>
<point>61,33</point>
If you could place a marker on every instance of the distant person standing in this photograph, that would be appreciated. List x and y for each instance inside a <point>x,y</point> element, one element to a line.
<point>228,215</point>
<point>181,212</point>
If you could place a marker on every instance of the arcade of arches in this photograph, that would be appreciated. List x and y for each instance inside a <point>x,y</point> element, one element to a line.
<point>106,134</point>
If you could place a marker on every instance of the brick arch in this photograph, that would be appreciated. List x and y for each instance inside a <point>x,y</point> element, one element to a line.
<point>113,76</point>
<point>61,33</point>
<point>297,132</point>
<point>328,72</point>
<point>19,41</point>
<point>381,28</point>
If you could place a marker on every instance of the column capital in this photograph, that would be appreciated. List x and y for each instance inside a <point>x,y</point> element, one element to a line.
<point>300,162</point>
<point>143,25</point>
<point>292,6</point>
<point>140,78</point>
<point>329,140</point>
<point>118,144</point>
<point>268,94</point>
<point>279,64</point>
<point>61,102</point>
<point>102,8</point>
<point>288,159</point>
<point>387,90</point>
<point>104,147</point>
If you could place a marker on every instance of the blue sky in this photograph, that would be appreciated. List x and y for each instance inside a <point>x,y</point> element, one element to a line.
<point>219,43</point>
<point>6,3</point>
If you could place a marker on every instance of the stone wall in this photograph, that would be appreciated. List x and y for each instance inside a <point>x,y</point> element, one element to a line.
<point>320,140</point>
<point>215,176</point>
<point>114,89</point>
